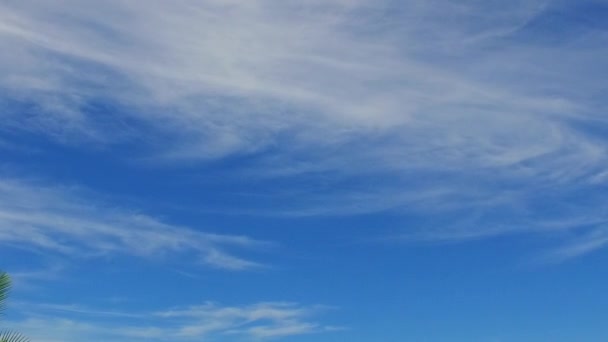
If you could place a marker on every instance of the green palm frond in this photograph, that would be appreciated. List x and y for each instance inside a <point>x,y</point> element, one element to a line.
<point>9,336</point>
<point>5,286</point>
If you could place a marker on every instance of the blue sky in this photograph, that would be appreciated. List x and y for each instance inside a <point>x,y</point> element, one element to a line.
<point>338,170</point>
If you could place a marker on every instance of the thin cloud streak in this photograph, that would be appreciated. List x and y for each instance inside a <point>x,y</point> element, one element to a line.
<point>59,221</point>
<point>260,321</point>
<point>580,245</point>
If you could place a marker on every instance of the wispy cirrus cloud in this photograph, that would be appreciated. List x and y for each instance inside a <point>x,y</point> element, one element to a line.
<point>60,221</point>
<point>225,77</point>
<point>213,79</point>
<point>419,106</point>
<point>260,321</point>
<point>284,319</point>
<point>590,240</point>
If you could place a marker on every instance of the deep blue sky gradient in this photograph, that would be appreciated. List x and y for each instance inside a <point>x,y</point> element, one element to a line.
<point>398,171</point>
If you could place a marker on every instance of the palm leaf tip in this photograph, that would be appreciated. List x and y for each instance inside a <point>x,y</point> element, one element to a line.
<point>7,335</point>
<point>5,286</point>
<point>10,336</point>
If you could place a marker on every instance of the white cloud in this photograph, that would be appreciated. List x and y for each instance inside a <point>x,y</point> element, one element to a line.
<point>277,320</point>
<point>263,320</point>
<point>578,245</point>
<point>223,78</point>
<point>443,102</point>
<point>210,79</point>
<point>62,221</point>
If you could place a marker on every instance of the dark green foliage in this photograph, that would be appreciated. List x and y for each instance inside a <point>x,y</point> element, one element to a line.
<point>5,286</point>
<point>9,336</point>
